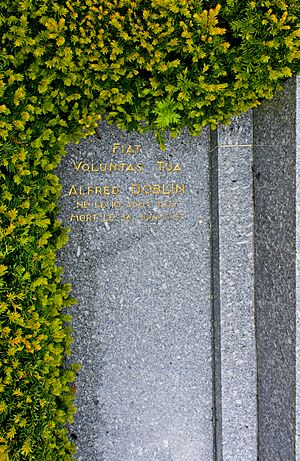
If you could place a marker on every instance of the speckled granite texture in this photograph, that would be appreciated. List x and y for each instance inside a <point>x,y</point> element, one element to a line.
<point>275,261</point>
<point>236,369</point>
<point>142,324</point>
<point>297,445</point>
<point>184,266</point>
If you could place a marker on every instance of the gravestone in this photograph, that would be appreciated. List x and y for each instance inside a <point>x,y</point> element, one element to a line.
<point>139,263</point>
<point>184,266</point>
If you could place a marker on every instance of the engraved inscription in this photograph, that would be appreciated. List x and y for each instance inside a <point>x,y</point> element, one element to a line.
<point>97,200</point>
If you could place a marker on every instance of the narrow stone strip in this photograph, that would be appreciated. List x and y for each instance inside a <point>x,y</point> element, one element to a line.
<point>298,268</point>
<point>275,273</point>
<point>215,285</point>
<point>236,263</point>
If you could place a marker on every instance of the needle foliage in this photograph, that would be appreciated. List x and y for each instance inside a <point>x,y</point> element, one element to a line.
<point>146,65</point>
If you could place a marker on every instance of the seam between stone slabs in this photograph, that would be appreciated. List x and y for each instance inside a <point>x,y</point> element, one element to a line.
<point>254,280</point>
<point>297,413</point>
<point>215,301</point>
<point>252,145</point>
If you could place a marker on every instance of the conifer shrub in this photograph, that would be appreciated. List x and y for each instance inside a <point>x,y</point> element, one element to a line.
<point>145,65</point>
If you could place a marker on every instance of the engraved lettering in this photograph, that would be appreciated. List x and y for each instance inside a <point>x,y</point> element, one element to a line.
<point>115,190</point>
<point>94,190</point>
<point>103,167</point>
<point>114,167</point>
<point>135,189</point>
<point>77,165</point>
<point>136,205</point>
<point>116,146</point>
<point>108,217</point>
<point>108,167</point>
<point>82,204</point>
<point>73,190</point>
<point>167,204</point>
<point>101,205</point>
<point>84,217</point>
<point>158,189</point>
<point>119,148</point>
<point>129,150</point>
<point>130,168</point>
<point>94,169</point>
<point>126,217</point>
<point>168,167</point>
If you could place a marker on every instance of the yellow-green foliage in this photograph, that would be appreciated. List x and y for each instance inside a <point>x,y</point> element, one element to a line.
<point>146,65</point>
<point>35,392</point>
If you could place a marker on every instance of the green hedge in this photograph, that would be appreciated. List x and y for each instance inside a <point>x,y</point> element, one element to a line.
<point>146,65</point>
